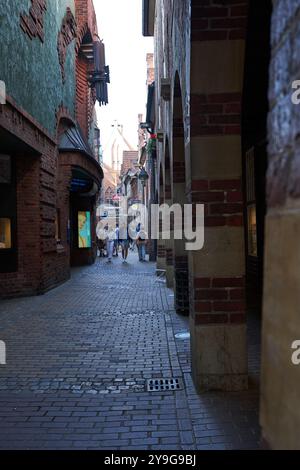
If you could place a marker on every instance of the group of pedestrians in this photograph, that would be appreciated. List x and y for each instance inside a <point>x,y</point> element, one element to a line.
<point>119,237</point>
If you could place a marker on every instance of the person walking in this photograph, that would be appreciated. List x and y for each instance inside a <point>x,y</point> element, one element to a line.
<point>101,239</point>
<point>141,241</point>
<point>124,241</point>
<point>110,242</point>
<point>133,241</point>
<point>116,241</point>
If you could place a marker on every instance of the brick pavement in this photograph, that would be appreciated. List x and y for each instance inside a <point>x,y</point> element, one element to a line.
<point>78,359</point>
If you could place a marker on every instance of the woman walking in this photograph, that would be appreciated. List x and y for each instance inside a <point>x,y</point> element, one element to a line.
<point>124,241</point>
<point>110,242</point>
<point>141,241</point>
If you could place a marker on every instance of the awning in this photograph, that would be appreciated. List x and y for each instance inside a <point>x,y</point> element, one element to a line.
<point>72,140</point>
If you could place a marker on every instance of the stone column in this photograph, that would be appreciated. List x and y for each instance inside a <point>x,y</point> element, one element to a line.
<point>218,320</point>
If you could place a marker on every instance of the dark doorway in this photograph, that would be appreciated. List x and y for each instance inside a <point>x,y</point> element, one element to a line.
<point>254,151</point>
<point>181,259</point>
<point>254,144</point>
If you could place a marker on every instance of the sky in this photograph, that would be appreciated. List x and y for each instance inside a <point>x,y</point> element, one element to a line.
<point>120,27</point>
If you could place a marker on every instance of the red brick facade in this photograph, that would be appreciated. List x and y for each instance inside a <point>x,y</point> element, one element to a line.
<point>219,21</point>
<point>86,31</point>
<point>46,239</point>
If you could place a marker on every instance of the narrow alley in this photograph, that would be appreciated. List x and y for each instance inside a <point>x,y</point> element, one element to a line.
<point>79,359</point>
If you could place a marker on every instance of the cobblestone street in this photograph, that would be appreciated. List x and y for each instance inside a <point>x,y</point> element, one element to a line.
<point>78,362</point>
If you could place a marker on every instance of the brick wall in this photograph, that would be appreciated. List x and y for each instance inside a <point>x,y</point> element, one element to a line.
<point>150,68</point>
<point>218,20</point>
<point>216,114</point>
<point>43,176</point>
<point>130,159</point>
<point>219,300</point>
<point>85,97</point>
<point>223,201</point>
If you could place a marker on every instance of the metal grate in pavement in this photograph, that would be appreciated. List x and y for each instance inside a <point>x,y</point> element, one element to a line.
<point>163,385</point>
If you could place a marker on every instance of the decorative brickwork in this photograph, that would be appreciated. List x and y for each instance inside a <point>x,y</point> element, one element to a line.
<point>66,35</point>
<point>33,23</point>
<point>86,21</point>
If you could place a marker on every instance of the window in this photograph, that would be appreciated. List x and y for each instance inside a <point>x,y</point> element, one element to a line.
<point>5,234</point>
<point>252,231</point>
<point>251,203</point>
<point>5,169</point>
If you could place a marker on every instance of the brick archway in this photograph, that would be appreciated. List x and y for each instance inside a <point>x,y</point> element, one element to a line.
<point>161,248</point>
<point>179,196</point>
<point>169,245</point>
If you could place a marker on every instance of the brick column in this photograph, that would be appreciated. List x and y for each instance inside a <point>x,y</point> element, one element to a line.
<point>169,244</point>
<point>181,263</point>
<point>218,329</point>
<point>161,244</point>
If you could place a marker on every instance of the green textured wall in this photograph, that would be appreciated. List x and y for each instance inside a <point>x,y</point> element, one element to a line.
<point>30,68</point>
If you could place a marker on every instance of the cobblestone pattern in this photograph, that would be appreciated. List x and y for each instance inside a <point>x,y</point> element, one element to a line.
<point>78,359</point>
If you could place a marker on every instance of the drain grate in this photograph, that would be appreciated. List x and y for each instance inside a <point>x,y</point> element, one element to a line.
<point>162,385</point>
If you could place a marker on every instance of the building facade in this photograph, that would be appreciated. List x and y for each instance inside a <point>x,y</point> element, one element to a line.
<point>224,75</point>
<point>53,67</point>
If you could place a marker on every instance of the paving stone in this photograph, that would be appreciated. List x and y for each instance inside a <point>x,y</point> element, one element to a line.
<point>78,360</point>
